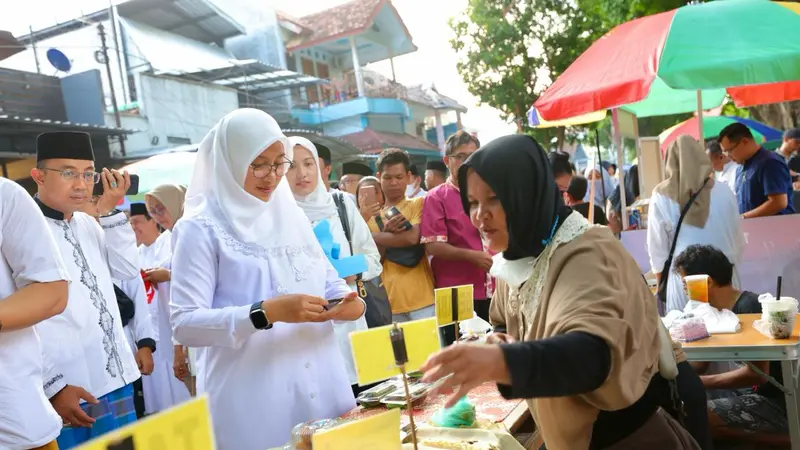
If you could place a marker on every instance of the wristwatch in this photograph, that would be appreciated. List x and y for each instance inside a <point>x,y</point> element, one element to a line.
<point>259,317</point>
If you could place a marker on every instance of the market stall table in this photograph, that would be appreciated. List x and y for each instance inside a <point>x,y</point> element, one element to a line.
<point>750,345</point>
<point>489,406</point>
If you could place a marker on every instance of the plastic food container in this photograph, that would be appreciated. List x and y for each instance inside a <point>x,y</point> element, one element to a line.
<point>372,397</point>
<point>689,330</point>
<point>302,433</point>
<point>777,316</point>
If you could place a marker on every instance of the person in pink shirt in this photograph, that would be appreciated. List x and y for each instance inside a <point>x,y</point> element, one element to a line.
<point>454,244</point>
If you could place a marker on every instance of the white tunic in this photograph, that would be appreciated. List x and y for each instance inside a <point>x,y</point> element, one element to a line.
<point>161,389</point>
<point>86,342</point>
<point>363,244</point>
<point>29,255</point>
<point>723,230</point>
<point>260,382</point>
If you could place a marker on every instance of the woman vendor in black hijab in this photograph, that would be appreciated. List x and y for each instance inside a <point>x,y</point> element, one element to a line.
<point>580,336</point>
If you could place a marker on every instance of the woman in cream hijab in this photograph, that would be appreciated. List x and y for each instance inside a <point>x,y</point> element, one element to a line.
<point>578,328</point>
<point>250,285</point>
<point>162,390</point>
<point>713,219</point>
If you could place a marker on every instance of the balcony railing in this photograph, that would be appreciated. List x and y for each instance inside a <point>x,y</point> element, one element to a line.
<point>345,89</point>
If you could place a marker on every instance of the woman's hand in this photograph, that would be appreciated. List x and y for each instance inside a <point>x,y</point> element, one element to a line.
<point>370,211</point>
<point>351,279</point>
<point>351,308</point>
<point>468,366</point>
<point>180,368</point>
<point>158,275</point>
<point>295,308</point>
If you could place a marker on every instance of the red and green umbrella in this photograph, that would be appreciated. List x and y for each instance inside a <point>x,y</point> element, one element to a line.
<point>657,64</point>
<point>712,125</point>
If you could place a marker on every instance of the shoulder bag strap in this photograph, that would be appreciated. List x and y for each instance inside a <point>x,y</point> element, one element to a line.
<point>668,263</point>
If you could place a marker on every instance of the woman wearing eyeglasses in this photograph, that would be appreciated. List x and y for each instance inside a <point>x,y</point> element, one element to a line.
<point>162,390</point>
<point>250,285</point>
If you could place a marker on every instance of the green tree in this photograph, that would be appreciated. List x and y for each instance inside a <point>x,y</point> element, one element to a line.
<point>510,50</point>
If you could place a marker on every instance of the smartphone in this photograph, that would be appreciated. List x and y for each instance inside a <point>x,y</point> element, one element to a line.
<point>393,211</point>
<point>368,195</point>
<point>333,302</point>
<point>133,190</point>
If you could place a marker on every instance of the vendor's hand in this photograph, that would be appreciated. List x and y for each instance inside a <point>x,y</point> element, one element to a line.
<point>295,308</point>
<point>158,275</point>
<point>351,308</point>
<point>470,366</point>
<point>482,260</point>
<point>500,338</point>
<point>395,224</point>
<point>115,186</point>
<point>351,279</point>
<point>144,359</point>
<point>67,403</point>
<point>370,211</point>
<point>180,368</point>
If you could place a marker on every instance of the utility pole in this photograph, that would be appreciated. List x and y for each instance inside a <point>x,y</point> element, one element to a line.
<point>33,47</point>
<point>104,49</point>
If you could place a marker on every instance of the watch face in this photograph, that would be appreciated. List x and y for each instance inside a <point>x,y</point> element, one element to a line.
<point>259,317</point>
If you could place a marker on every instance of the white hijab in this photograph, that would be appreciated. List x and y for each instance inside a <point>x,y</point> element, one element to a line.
<point>605,179</point>
<point>216,189</point>
<point>318,204</point>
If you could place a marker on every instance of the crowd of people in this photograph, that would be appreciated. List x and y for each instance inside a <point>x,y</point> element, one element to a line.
<point>222,287</point>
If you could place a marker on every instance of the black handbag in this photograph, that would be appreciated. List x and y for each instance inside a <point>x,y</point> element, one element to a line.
<point>127,309</point>
<point>661,293</point>
<point>379,311</point>
<point>405,256</point>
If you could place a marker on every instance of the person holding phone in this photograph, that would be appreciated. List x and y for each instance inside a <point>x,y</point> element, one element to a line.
<point>406,274</point>
<point>249,287</point>
<point>369,198</point>
<point>91,382</point>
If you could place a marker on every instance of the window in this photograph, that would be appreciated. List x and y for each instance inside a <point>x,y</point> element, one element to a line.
<point>178,140</point>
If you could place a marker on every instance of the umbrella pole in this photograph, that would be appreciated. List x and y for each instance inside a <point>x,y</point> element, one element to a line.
<point>620,164</point>
<point>600,163</point>
<point>701,137</point>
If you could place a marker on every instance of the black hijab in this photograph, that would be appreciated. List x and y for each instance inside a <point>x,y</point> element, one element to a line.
<point>518,171</point>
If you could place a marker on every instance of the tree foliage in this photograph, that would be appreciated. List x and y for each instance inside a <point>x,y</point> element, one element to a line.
<point>510,50</point>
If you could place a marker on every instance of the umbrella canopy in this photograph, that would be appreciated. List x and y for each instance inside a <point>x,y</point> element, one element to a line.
<point>172,168</point>
<point>537,122</point>
<point>748,44</point>
<point>712,125</point>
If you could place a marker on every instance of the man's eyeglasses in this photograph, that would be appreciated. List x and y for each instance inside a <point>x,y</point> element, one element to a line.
<point>261,171</point>
<point>69,175</point>
<point>729,150</point>
<point>460,157</point>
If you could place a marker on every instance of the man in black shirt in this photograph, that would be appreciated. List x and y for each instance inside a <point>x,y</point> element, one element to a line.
<point>748,403</point>
<point>574,195</point>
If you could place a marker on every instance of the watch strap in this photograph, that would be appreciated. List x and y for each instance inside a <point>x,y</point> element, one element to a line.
<point>258,317</point>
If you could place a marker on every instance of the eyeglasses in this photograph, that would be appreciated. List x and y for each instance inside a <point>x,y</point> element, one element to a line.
<point>69,175</point>
<point>461,157</point>
<point>156,211</point>
<point>726,151</point>
<point>261,171</point>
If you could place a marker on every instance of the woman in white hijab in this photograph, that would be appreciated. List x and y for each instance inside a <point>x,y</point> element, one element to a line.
<point>603,185</point>
<point>305,180</point>
<point>249,286</point>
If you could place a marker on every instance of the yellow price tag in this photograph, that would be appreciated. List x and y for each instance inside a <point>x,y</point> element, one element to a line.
<point>454,304</point>
<point>373,355</point>
<point>378,432</point>
<point>183,427</point>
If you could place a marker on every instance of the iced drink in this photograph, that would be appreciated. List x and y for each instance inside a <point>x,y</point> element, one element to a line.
<point>697,287</point>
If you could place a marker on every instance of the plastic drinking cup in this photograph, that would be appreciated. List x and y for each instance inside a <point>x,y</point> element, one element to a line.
<point>697,287</point>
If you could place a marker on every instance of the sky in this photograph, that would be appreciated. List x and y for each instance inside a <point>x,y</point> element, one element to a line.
<point>426,20</point>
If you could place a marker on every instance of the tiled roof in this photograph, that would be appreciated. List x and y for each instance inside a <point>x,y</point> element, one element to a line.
<point>340,21</point>
<point>372,141</point>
